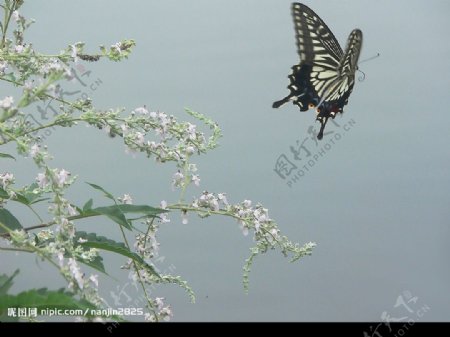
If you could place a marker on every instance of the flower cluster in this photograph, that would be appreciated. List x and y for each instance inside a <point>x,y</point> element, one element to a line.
<point>163,312</point>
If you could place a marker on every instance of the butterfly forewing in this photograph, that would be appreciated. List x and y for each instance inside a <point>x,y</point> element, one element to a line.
<point>315,41</point>
<point>324,78</point>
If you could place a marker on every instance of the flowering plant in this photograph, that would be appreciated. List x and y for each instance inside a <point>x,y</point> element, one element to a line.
<point>54,236</point>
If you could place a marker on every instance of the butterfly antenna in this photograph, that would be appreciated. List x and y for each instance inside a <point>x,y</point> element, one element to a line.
<point>362,77</point>
<point>370,58</point>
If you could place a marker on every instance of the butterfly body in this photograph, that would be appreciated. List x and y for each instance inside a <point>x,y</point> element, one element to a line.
<point>325,76</point>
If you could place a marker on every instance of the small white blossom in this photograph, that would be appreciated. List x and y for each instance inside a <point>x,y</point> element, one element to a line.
<point>6,179</point>
<point>184,218</point>
<point>141,110</point>
<point>42,180</point>
<point>16,16</point>
<point>166,313</point>
<point>191,131</point>
<point>190,150</point>
<point>34,150</point>
<point>81,240</point>
<point>76,272</point>
<point>163,204</point>
<point>149,317</point>
<point>177,179</point>
<point>244,229</point>
<point>7,102</point>
<point>3,67</point>
<point>126,199</point>
<point>72,210</point>
<point>196,179</point>
<point>62,176</point>
<point>60,256</point>
<point>94,279</point>
<point>159,303</point>
<point>222,197</point>
<point>139,138</point>
<point>19,48</point>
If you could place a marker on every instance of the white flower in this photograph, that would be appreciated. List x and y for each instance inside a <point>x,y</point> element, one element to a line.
<point>7,102</point>
<point>19,48</point>
<point>214,204</point>
<point>196,179</point>
<point>34,150</point>
<point>244,229</point>
<point>139,138</point>
<point>127,199</point>
<point>222,197</point>
<point>247,203</point>
<point>163,218</point>
<point>60,256</point>
<point>257,225</point>
<point>94,279</point>
<point>6,179</point>
<point>42,180</point>
<point>124,128</point>
<point>274,233</point>
<point>177,179</point>
<point>190,150</point>
<point>163,204</point>
<point>166,313</point>
<point>16,16</point>
<point>191,132</point>
<point>81,240</point>
<point>184,218</point>
<point>149,317</point>
<point>74,55</point>
<point>62,176</point>
<point>76,272</point>
<point>159,303</point>
<point>117,46</point>
<point>141,110</point>
<point>3,67</point>
<point>72,211</point>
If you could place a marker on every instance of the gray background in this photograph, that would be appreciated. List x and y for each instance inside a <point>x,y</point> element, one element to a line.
<point>377,203</point>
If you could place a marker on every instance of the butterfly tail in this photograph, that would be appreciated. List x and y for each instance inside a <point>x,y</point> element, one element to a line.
<point>323,121</point>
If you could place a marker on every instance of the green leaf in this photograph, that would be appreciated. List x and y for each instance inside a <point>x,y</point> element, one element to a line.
<point>3,194</point>
<point>88,205</point>
<point>96,264</point>
<point>42,299</point>
<point>101,242</point>
<point>114,213</point>
<point>5,155</point>
<point>6,282</point>
<point>143,209</point>
<point>28,197</point>
<point>107,194</point>
<point>9,220</point>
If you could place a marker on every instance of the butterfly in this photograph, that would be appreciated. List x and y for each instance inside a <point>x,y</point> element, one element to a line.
<point>325,76</point>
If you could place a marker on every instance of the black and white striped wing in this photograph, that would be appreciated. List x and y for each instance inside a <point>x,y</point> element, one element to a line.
<point>324,78</point>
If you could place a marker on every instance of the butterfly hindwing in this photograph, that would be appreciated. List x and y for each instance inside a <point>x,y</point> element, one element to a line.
<point>324,78</point>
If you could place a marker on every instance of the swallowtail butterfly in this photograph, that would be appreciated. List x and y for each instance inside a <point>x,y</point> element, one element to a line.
<point>325,76</point>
